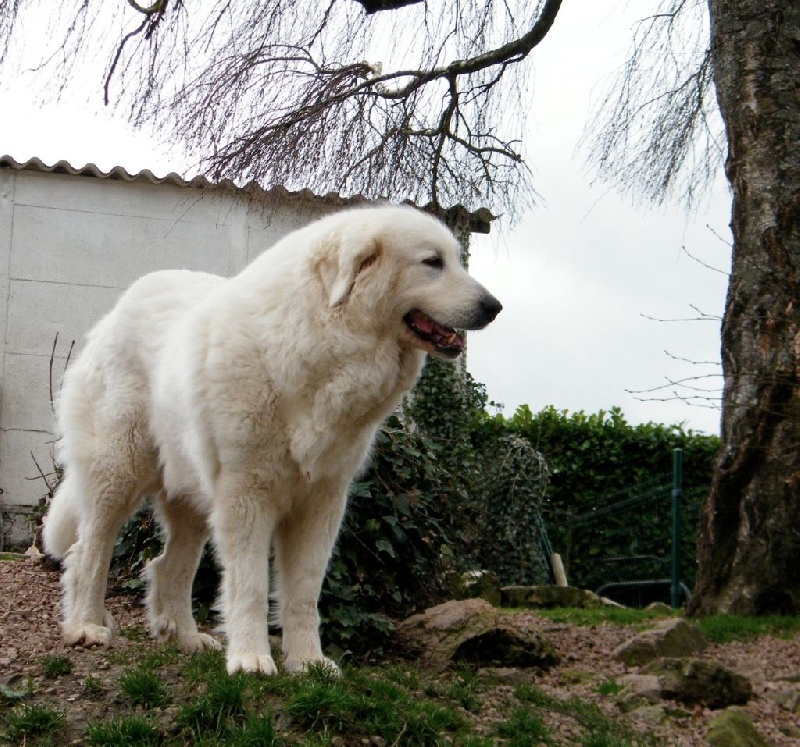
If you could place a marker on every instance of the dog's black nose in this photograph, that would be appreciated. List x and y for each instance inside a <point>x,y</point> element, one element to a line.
<point>491,307</point>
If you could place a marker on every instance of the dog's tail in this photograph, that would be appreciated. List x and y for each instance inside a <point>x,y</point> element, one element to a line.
<point>63,517</point>
<point>75,419</point>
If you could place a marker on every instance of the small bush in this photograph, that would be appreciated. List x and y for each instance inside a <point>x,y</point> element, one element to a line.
<point>92,686</point>
<point>56,666</point>
<point>144,687</point>
<point>125,732</point>
<point>30,722</point>
<point>524,729</point>
<point>219,711</point>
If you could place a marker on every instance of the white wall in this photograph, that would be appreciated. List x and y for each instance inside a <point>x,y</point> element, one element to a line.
<point>69,245</point>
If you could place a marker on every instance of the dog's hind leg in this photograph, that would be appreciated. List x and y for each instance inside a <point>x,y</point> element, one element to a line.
<point>169,597</point>
<point>113,496</point>
<point>303,545</point>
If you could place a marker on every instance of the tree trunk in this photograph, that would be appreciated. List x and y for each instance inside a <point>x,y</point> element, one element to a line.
<point>749,543</point>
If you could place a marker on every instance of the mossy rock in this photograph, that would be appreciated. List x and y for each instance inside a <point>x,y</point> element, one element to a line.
<point>552,597</point>
<point>671,639</point>
<point>732,728</point>
<point>472,631</point>
<point>476,585</point>
<point>700,682</point>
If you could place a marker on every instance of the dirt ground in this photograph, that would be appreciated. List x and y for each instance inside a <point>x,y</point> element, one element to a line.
<point>29,613</point>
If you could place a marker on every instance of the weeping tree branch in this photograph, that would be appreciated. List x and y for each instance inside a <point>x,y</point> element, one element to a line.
<point>656,134</point>
<point>373,6</point>
<point>282,91</point>
<point>361,129</point>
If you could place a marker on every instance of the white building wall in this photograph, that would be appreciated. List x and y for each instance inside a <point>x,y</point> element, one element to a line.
<point>69,245</point>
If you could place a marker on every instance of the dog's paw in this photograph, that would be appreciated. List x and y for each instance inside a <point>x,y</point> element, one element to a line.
<point>259,663</point>
<point>89,635</point>
<point>298,666</point>
<point>165,629</point>
<point>189,643</point>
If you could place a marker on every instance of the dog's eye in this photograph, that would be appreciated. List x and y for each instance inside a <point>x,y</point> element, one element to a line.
<point>436,262</point>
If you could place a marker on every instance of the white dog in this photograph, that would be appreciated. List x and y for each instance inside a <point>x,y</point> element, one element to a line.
<point>247,405</point>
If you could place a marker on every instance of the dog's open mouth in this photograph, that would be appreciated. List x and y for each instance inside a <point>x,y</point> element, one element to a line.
<point>434,336</point>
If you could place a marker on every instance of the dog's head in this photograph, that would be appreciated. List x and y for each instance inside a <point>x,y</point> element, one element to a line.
<point>399,268</point>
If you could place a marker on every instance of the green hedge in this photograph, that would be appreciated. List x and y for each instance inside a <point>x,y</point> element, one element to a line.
<point>599,459</point>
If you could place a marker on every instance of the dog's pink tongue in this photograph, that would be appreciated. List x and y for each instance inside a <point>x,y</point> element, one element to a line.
<point>424,323</point>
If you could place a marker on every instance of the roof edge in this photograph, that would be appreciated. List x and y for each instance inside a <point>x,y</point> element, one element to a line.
<point>479,220</point>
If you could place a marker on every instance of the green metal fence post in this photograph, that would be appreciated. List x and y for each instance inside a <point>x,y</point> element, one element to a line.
<point>677,495</point>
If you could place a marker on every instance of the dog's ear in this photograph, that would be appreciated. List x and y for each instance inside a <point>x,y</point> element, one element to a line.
<point>339,273</point>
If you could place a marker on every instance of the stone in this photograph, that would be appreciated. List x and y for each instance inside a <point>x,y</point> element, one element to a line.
<point>641,686</point>
<point>573,676</point>
<point>672,639</point>
<point>550,597</point>
<point>789,700</point>
<point>476,585</point>
<point>651,713</point>
<point>660,607</point>
<point>510,676</point>
<point>732,728</point>
<point>472,631</point>
<point>699,682</point>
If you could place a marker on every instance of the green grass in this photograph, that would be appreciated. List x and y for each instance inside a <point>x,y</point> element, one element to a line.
<point>120,732</point>
<point>524,728</point>
<point>56,666</point>
<point>161,657</point>
<point>364,702</point>
<point>135,633</point>
<point>466,690</point>
<point>144,687</point>
<point>92,686</point>
<point>717,628</point>
<point>534,695</point>
<point>32,724</point>
<point>609,687</point>
<point>202,665</point>
<point>219,711</point>
<point>10,556</point>
<point>729,628</point>
<point>401,703</point>
<point>257,731</point>
<point>600,615</point>
<point>599,729</point>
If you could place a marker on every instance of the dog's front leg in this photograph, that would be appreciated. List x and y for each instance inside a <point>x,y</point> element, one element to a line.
<point>243,523</point>
<point>303,544</point>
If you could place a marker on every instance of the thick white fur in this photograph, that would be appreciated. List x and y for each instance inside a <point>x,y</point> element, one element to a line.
<point>246,406</point>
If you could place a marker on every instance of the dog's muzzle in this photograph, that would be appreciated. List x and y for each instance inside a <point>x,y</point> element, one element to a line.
<point>486,312</point>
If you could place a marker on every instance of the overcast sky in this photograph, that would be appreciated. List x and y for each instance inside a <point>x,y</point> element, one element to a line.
<point>579,275</point>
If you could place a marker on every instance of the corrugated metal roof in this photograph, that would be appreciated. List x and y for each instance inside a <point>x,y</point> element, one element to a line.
<point>479,220</point>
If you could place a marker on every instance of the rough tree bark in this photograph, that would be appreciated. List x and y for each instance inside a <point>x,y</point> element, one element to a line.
<point>749,544</point>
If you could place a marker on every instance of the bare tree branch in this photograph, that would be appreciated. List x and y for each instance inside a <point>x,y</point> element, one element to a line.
<point>9,13</point>
<point>657,134</point>
<point>704,264</point>
<point>285,92</point>
<point>373,6</point>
